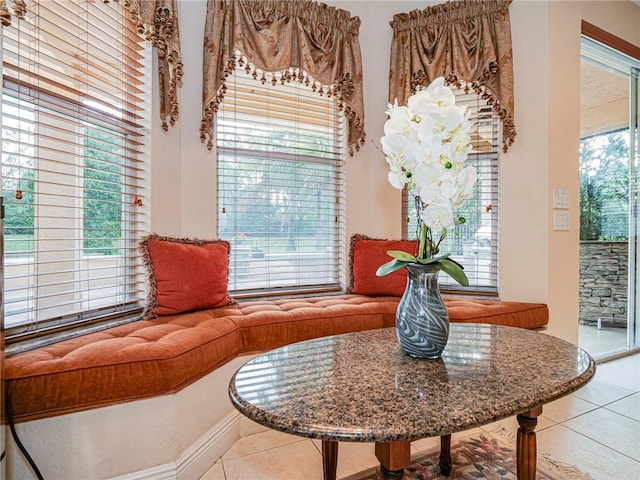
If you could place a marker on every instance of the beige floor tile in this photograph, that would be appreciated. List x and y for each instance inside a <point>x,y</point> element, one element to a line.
<point>424,445</point>
<point>260,442</point>
<point>215,473</point>
<point>601,392</point>
<point>299,461</point>
<point>601,342</point>
<point>359,457</point>
<point>624,372</point>
<point>511,424</point>
<point>610,429</point>
<point>567,407</point>
<point>355,457</point>
<point>628,406</point>
<point>600,462</point>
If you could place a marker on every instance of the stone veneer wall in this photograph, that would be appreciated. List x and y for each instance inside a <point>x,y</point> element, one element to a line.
<point>603,283</point>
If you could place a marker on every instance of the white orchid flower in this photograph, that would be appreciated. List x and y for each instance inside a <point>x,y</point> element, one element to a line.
<point>465,185</point>
<point>440,92</point>
<point>397,179</point>
<point>450,117</point>
<point>394,144</point>
<point>439,216</point>
<point>426,144</point>
<point>428,150</point>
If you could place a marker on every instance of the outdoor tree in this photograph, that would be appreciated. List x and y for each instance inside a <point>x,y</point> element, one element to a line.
<point>18,187</point>
<point>604,186</point>
<point>274,193</point>
<point>102,218</point>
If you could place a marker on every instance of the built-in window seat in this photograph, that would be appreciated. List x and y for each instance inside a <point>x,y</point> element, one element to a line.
<point>162,383</point>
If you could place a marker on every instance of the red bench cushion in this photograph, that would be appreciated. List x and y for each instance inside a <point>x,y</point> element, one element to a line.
<point>160,356</point>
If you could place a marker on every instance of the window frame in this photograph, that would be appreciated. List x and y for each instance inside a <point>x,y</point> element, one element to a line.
<point>76,111</point>
<point>332,159</point>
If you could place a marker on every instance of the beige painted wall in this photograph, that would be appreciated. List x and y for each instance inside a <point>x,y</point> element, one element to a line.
<point>563,86</point>
<point>536,263</point>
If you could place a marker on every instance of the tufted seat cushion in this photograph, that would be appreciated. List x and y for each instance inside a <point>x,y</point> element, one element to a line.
<point>270,324</point>
<point>136,360</point>
<point>161,356</point>
<point>517,314</point>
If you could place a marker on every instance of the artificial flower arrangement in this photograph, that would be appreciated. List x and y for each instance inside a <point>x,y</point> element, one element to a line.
<point>426,144</point>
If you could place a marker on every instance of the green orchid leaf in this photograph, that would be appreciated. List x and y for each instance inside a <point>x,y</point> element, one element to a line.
<point>437,258</point>
<point>402,256</point>
<point>390,267</point>
<point>454,270</point>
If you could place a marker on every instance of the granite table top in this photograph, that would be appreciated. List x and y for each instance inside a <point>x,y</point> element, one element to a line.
<point>361,387</point>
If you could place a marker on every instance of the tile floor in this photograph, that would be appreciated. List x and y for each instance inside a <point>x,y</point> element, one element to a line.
<point>602,342</point>
<point>597,429</point>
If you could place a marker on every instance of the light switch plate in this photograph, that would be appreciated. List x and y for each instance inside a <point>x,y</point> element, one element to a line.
<point>561,198</point>
<point>561,220</point>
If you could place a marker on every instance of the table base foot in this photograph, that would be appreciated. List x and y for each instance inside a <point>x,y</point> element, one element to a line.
<point>391,474</point>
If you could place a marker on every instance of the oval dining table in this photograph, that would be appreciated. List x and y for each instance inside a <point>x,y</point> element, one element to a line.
<point>360,387</point>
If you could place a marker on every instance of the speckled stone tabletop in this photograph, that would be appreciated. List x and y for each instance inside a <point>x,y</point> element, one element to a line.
<point>361,387</point>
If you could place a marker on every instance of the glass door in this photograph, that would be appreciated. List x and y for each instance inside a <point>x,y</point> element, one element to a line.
<point>609,201</point>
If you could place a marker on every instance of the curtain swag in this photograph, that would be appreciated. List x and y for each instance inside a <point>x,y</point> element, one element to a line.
<point>466,41</point>
<point>157,21</point>
<point>281,41</point>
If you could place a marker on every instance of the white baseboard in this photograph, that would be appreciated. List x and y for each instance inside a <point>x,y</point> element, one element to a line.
<point>194,462</point>
<point>201,456</point>
<point>161,472</point>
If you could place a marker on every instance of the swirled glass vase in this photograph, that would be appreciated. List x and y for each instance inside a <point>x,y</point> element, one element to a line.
<point>422,320</point>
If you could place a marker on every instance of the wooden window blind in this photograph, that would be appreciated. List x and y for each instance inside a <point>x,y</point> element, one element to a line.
<point>74,157</point>
<point>280,150</point>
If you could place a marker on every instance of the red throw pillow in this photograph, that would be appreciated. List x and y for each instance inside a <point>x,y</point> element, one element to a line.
<point>366,255</point>
<point>184,274</point>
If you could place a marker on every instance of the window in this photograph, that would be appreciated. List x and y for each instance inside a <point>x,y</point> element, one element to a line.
<point>280,149</point>
<point>73,165</point>
<point>475,245</point>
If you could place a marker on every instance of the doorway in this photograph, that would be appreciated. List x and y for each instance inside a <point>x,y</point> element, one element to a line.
<point>609,200</point>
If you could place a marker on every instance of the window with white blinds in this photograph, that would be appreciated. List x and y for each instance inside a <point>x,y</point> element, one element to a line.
<point>280,149</point>
<point>475,244</point>
<point>74,100</point>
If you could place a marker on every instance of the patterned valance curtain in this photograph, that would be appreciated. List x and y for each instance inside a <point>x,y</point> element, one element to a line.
<point>157,20</point>
<point>280,41</point>
<point>466,41</point>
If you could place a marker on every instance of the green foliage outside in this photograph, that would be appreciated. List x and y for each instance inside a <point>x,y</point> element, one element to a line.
<point>274,200</point>
<point>102,219</point>
<point>20,212</point>
<point>604,187</point>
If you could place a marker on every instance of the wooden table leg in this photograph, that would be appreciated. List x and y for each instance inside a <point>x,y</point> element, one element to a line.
<point>391,474</point>
<point>526,450</point>
<point>329,459</point>
<point>393,458</point>
<point>445,455</point>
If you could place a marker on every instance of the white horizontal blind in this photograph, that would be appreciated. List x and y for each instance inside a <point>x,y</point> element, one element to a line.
<point>73,164</point>
<point>280,150</point>
<point>475,245</point>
